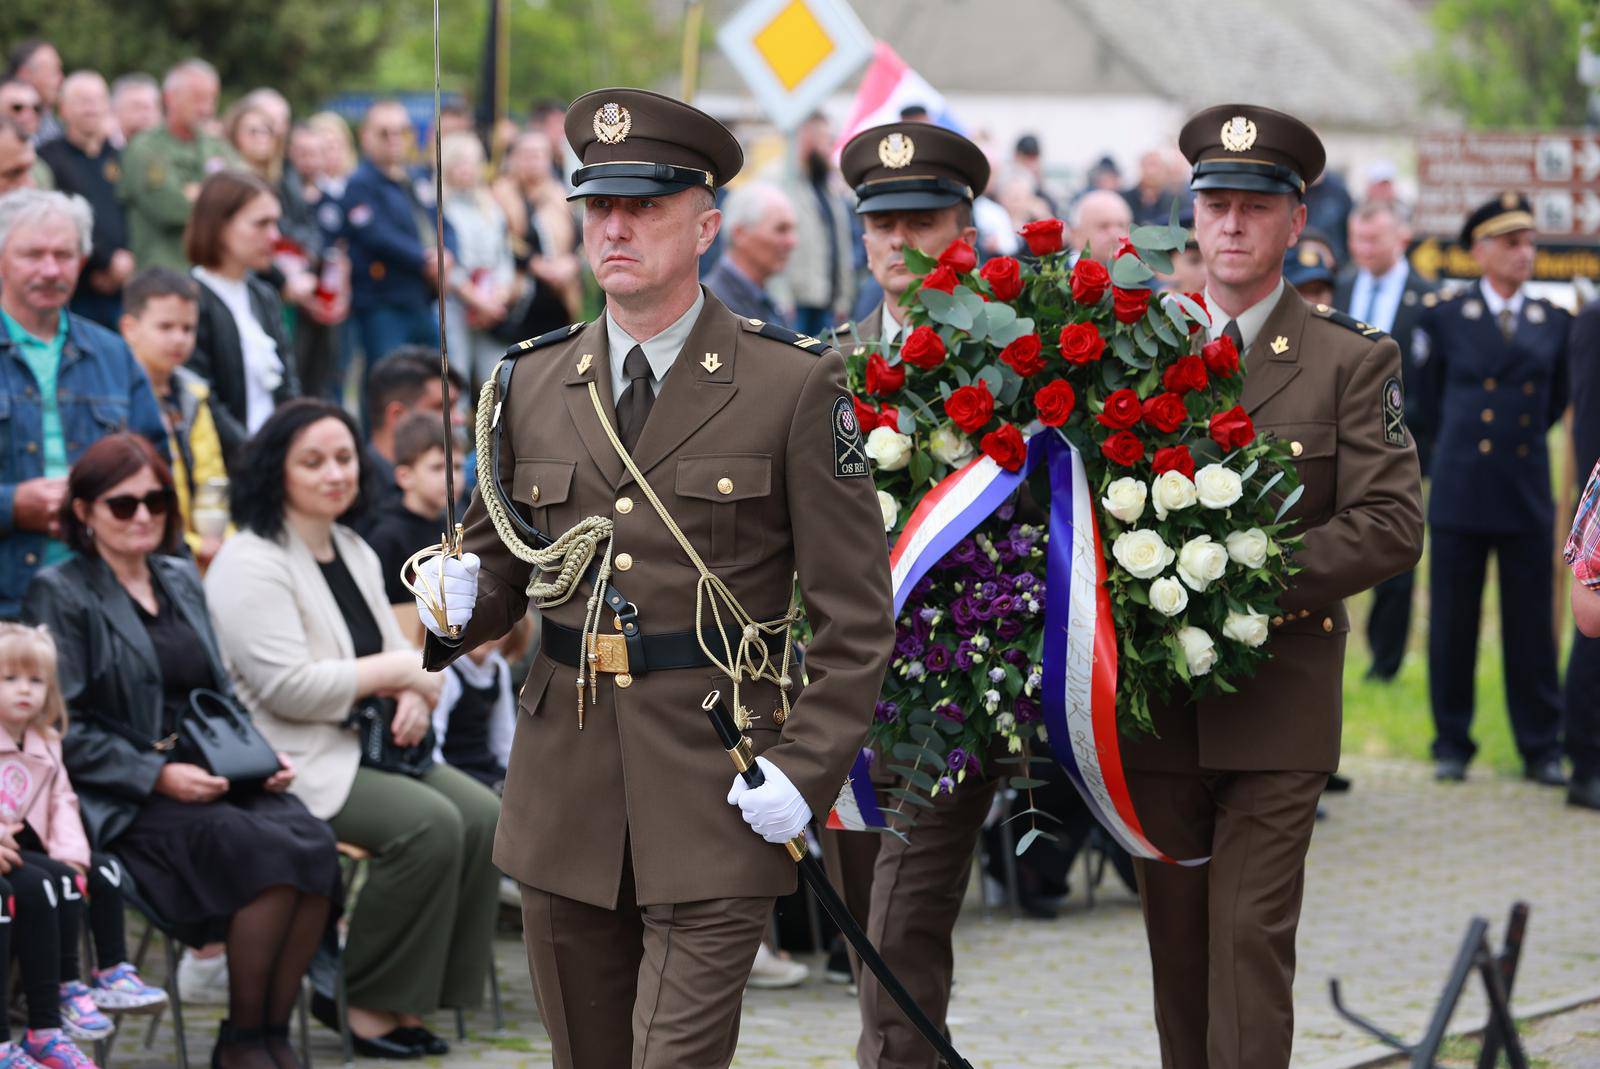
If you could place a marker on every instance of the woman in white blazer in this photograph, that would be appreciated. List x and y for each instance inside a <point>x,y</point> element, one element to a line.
<point>307,631</point>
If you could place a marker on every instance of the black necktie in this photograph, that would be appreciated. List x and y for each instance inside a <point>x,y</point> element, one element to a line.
<point>1231,332</point>
<point>634,406</point>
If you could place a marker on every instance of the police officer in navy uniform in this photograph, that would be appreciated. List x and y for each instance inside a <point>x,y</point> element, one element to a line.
<point>1492,380</point>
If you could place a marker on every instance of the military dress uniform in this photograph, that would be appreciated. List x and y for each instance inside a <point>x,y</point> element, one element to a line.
<point>1236,777</point>
<point>1494,379</point>
<point>645,894</point>
<point>157,168</point>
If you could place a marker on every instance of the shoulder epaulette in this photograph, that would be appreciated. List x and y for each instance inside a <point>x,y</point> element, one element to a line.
<point>528,346</point>
<point>1333,315</point>
<point>814,346</point>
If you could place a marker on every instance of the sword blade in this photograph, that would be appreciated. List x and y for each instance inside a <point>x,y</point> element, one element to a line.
<point>451,541</point>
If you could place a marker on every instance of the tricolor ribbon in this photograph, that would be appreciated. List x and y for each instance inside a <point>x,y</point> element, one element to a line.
<point>857,806</point>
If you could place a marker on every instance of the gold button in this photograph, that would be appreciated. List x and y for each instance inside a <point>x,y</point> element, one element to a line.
<point>1295,448</point>
<point>1489,384</point>
<point>779,716</point>
<point>1488,415</point>
<point>33,447</point>
<point>624,505</point>
<point>624,561</point>
<point>1327,624</point>
<point>624,680</point>
<point>1304,613</point>
<point>31,558</point>
<point>1522,450</point>
<point>1486,447</point>
<point>1527,388</point>
<point>1277,621</point>
<point>724,485</point>
<point>533,493</point>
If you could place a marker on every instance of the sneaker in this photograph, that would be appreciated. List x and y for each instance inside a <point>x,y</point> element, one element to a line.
<point>80,1017</point>
<point>51,1049</point>
<point>121,988</point>
<point>770,971</point>
<point>203,981</point>
<point>12,1056</point>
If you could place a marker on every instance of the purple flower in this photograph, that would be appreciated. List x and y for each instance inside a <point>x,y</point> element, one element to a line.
<point>964,656</point>
<point>886,712</point>
<point>909,645</point>
<point>1009,629</point>
<point>957,759</point>
<point>1027,581</point>
<point>985,611</point>
<point>1026,710</point>
<point>922,624</point>
<point>1006,511</point>
<point>983,567</point>
<point>951,711</point>
<point>937,659</point>
<point>1014,657</point>
<point>966,552</point>
<point>962,611</point>
<point>989,590</point>
<point>1003,604</point>
<point>923,588</point>
<point>946,785</point>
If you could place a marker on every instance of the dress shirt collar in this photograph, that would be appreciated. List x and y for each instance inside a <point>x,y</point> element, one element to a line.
<point>1495,302</point>
<point>660,350</point>
<point>889,330</point>
<point>1251,320</point>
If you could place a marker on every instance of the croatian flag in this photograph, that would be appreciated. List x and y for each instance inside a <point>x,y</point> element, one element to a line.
<point>888,86</point>
<point>856,808</point>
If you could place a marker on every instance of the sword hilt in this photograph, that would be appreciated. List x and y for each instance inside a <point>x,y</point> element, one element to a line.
<point>742,755</point>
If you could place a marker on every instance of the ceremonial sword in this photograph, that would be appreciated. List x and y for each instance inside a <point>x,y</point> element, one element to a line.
<point>739,751</point>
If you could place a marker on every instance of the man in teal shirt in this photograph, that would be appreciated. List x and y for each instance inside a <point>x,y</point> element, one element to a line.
<point>65,382</point>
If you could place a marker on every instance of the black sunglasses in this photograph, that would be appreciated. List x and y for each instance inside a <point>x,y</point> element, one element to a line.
<point>123,506</point>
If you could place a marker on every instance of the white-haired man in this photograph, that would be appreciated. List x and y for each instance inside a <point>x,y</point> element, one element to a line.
<point>1100,220</point>
<point>761,226</point>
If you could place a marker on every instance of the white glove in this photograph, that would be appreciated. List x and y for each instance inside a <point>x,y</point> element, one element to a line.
<point>460,592</point>
<point>775,811</point>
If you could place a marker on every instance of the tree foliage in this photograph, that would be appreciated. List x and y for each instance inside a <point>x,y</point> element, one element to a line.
<point>1510,63</point>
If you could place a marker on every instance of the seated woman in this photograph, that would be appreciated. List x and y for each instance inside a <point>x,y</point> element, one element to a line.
<point>306,628</point>
<point>252,867</point>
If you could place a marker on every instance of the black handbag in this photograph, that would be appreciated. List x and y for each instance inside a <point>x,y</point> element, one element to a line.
<point>373,720</point>
<point>218,735</point>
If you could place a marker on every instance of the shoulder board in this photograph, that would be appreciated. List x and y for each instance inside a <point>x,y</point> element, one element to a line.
<point>845,328</point>
<point>542,340</point>
<point>1333,315</point>
<point>814,346</point>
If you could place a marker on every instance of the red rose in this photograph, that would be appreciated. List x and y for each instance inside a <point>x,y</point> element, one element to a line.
<point>1090,280</point>
<point>970,407</point>
<point>1124,247</point>
<point>1023,355</point>
<point>866,416</point>
<point>1005,447</point>
<point>923,349</point>
<point>959,257</point>
<point>1123,448</point>
<point>1221,357</point>
<point>1187,373</point>
<point>1004,276</point>
<point>1055,403</point>
<point>941,278</point>
<point>889,416</point>
<point>1129,306</point>
<point>1044,236</point>
<point>882,379</point>
<point>1122,410</point>
<point>1200,299</point>
<point>1174,458</point>
<point>1163,412</point>
<point>1232,429</point>
<point>1081,343</point>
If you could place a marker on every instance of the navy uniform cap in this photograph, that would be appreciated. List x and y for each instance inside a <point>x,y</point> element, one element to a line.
<point>1242,146</point>
<point>905,166</point>
<point>1505,213</point>
<point>1307,263</point>
<point>635,143</point>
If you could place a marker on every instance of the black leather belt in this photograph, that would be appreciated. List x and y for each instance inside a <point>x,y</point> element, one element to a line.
<point>645,653</point>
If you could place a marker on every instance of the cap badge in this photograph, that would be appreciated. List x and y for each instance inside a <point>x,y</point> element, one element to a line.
<point>612,124</point>
<point>1508,201</point>
<point>1308,257</point>
<point>896,150</point>
<point>1238,134</point>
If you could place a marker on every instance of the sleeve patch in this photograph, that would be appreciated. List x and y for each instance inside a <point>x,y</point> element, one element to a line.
<point>849,454</point>
<point>1394,413</point>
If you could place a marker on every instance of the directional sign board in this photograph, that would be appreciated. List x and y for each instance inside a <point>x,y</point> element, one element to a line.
<point>1559,170</point>
<point>794,53</point>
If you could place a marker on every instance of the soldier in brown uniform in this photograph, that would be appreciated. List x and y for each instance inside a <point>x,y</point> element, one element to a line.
<point>644,894</point>
<point>1237,777</point>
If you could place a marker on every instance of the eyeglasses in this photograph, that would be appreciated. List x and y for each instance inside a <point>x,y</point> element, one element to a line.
<point>124,506</point>
<point>19,107</point>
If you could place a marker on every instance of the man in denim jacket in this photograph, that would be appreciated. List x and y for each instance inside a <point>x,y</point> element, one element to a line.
<point>65,382</point>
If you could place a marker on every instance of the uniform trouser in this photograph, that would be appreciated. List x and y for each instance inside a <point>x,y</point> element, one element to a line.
<point>917,888</point>
<point>1456,576</point>
<point>849,857</point>
<point>1389,623</point>
<point>641,987</point>
<point>1582,729</point>
<point>423,931</point>
<point>1222,934</point>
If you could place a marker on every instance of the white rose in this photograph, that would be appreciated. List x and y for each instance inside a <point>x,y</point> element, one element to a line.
<point>1218,486</point>
<point>1142,553</point>
<point>1248,627</point>
<point>1248,548</point>
<point>888,448</point>
<point>1198,650</point>
<point>1201,561</point>
<point>1125,499</point>
<point>950,446</point>
<point>1168,597</point>
<point>1171,491</point>
<point>890,510</point>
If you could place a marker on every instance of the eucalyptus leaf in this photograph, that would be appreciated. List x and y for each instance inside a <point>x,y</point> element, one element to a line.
<point>927,736</point>
<point>980,325</point>
<point>916,777</point>
<point>943,308</point>
<point>944,389</point>
<point>991,377</point>
<point>910,796</point>
<point>1130,273</point>
<point>1188,304</point>
<point>1159,260</point>
<point>1122,346</point>
<point>999,315</point>
<point>1250,469</point>
<point>1011,391</point>
<point>1289,501</point>
<point>921,465</point>
<point>1028,839</point>
<point>1146,342</point>
<point>1156,237</point>
<point>1023,783</point>
<point>963,376</point>
<point>905,422</point>
<point>1004,336</point>
<point>908,751</point>
<point>1168,323</point>
<point>1269,485</point>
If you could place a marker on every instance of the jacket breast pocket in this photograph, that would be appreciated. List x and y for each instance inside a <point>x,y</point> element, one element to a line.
<point>729,495</point>
<point>1314,445</point>
<point>542,486</point>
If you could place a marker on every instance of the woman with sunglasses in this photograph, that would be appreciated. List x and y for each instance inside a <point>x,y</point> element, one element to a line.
<point>251,868</point>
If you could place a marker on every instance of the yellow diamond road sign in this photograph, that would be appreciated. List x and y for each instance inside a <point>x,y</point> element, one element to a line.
<point>793,53</point>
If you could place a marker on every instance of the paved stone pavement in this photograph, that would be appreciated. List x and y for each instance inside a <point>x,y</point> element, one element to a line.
<point>1395,874</point>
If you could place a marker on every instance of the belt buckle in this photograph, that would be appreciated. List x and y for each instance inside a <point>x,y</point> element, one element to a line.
<point>610,653</point>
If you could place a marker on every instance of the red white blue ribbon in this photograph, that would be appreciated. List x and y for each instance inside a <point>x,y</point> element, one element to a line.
<point>856,808</point>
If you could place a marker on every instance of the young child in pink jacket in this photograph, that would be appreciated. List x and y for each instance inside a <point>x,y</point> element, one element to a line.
<point>46,859</point>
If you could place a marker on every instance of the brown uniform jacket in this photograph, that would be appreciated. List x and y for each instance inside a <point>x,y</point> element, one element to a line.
<point>1332,393</point>
<point>741,449</point>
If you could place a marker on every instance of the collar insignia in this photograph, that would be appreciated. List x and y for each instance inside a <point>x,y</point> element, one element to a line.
<point>585,362</point>
<point>1280,345</point>
<point>712,362</point>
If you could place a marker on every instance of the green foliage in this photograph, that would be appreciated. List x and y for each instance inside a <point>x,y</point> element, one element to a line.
<point>1507,63</point>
